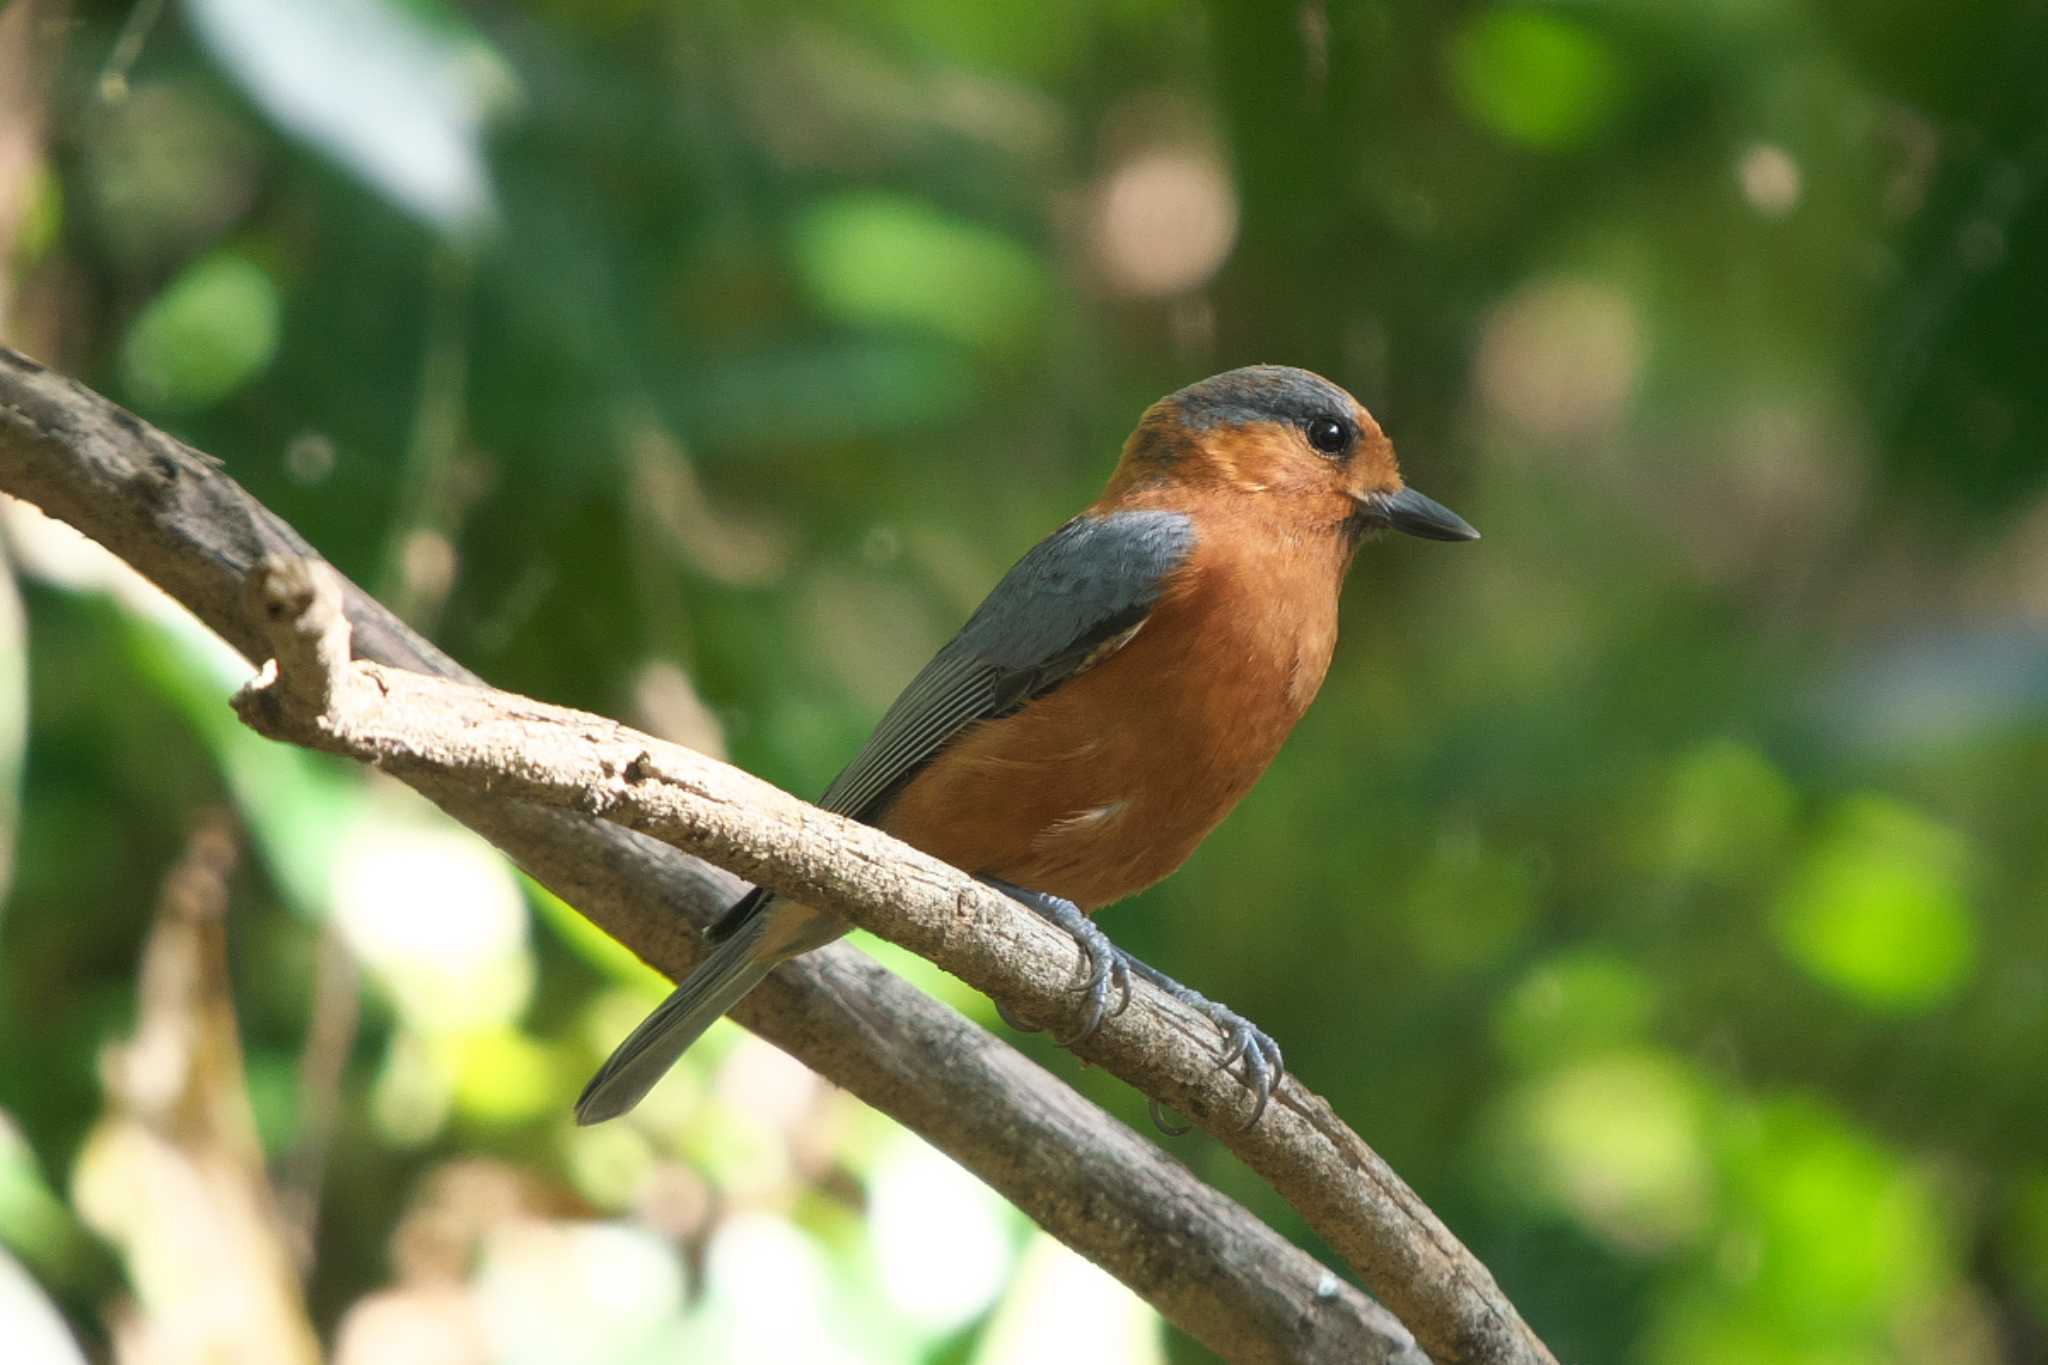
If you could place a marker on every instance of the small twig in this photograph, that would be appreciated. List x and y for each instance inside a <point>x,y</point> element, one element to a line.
<point>135,31</point>
<point>299,601</point>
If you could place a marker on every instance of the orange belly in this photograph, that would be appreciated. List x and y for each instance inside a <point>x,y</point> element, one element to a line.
<point>1108,783</point>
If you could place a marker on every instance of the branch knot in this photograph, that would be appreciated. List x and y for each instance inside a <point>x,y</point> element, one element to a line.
<point>299,601</point>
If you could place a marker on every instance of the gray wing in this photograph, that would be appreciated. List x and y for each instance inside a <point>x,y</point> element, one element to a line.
<point>1080,588</point>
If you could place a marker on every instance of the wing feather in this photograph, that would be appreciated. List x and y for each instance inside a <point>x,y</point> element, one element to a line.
<point>1072,600</point>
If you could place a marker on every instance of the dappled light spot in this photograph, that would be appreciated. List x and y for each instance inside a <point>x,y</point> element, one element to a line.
<point>505,1077</point>
<point>770,1294</point>
<point>1619,1142</point>
<point>427,564</point>
<point>768,1085</point>
<point>1880,910</point>
<point>942,1283</point>
<point>1062,1308</point>
<point>1560,358</point>
<point>570,1292</point>
<point>1771,180</point>
<point>435,917</point>
<point>422,1325</point>
<point>309,457</point>
<point>1163,221</point>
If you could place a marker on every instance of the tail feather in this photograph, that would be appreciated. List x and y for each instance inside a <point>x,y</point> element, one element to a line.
<point>734,967</point>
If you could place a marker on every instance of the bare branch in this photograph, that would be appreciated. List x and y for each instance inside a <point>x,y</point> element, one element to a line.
<point>1201,1259</point>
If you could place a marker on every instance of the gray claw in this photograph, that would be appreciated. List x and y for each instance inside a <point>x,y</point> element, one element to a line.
<point>1162,1123</point>
<point>1104,970</point>
<point>1015,1020</point>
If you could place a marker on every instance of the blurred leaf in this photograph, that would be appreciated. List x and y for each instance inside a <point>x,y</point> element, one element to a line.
<point>1880,911</point>
<point>1470,905</point>
<point>1573,1005</point>
<point>1729,810</point>
<point>1847,1238</point>
<point>212,329</point>
<point>880,259</point>
<point>397,101</point>
<point>1697,1325</point>
<point>35,1222</point>
<point>1536,77</point>
<point>1619,1141</point>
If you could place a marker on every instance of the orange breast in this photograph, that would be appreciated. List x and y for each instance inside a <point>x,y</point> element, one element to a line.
<point>1108,783</point>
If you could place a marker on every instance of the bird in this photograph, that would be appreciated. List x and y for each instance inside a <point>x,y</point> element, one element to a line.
<point>1121,688</point>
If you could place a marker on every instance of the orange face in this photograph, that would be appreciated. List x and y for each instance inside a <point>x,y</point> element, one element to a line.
<point>1300,444</point>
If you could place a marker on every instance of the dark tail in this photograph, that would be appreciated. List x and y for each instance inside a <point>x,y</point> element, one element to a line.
<point>744,954</point>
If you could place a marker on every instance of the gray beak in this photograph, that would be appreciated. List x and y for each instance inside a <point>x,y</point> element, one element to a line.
<point>1413,514</point>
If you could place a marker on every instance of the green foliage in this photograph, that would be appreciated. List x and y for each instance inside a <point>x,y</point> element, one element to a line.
<point>212,330</point>
<point>1536,77</point>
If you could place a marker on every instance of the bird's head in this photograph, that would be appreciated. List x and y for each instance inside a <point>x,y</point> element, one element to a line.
<point>1289,436</point>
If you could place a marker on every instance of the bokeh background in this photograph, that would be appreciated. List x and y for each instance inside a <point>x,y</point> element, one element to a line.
<point>1659,883</point>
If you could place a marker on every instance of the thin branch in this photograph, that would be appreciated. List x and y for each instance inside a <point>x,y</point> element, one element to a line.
<point>1201,1259</point>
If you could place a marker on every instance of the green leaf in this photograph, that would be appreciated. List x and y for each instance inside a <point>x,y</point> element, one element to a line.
<point>1879,910</point>
<point>882,259</point>
<point>213,329</point>
<point>1536,78</point>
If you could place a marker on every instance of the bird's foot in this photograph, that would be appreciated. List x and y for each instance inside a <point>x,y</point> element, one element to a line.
<point>1105,968</point>
<point>1242,1039</point>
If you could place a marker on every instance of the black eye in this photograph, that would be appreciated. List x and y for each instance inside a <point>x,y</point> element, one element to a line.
<point>1328,436</point>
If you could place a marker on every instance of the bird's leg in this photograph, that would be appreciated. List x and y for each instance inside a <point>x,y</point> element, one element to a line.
<point>1107,968</point>
<point>1263,1064</point>
<point>1104,967</point>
